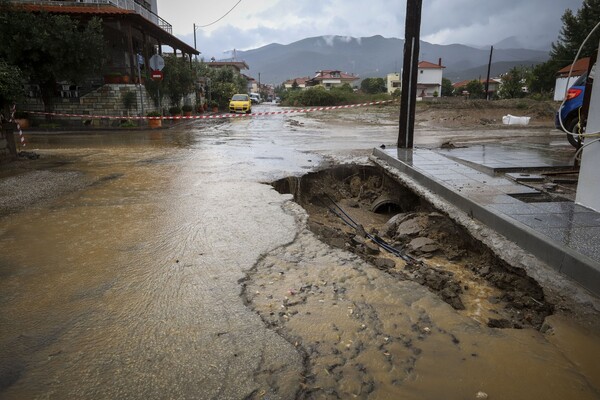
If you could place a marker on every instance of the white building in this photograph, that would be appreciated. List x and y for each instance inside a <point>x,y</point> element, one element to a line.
<point>429,79</point>
<point>393,82</point>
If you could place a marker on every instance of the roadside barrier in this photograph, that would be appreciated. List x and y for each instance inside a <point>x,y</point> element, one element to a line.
<point>216,116</point>
<point>13,109</point>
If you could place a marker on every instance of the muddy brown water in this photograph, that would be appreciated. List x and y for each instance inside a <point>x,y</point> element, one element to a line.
<point>160,265</point>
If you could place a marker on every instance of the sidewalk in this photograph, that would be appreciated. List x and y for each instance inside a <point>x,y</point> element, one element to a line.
<point>562,234</point>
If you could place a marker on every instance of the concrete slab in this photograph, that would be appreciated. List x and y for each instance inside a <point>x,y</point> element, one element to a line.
<point>563,234</point>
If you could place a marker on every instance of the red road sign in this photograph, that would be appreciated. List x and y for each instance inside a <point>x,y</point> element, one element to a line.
<point>156,75</point>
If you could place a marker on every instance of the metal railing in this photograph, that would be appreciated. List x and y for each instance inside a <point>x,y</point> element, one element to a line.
<point>124,4</point>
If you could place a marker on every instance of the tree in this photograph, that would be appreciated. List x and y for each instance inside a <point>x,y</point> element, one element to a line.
<point>373,85</point>
<point>179,79</point>
<point>576,27</point>
<point>50,48</point>
<point>295,85</point>
<point>475,89</point>
<point>447,88</point>
<point>512,84</point>
<point>11,90</point>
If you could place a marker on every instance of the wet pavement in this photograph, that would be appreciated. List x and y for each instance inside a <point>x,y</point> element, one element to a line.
<point>133,280</point>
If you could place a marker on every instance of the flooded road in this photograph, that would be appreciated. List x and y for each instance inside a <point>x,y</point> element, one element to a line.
<point>155,275</point>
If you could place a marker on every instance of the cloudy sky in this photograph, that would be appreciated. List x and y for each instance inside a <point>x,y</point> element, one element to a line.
<point>255,23</point>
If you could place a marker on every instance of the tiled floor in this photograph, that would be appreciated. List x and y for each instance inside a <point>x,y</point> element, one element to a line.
<point>564,226</point>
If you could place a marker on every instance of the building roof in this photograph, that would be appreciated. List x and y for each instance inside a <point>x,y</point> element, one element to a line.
<point>464,83</point>
<point>239,65</point>
<point>299,81</point>
<point>427,64</point>
<point>333,74</point>
<point>106,10</point>
<point>580,67</point>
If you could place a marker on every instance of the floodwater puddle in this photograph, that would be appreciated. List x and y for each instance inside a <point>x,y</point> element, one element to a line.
<point>420,323</point>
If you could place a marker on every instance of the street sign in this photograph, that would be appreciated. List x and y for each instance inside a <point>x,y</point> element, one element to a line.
<point>140,59</point>
<point>156,62</point>
<point>156,75</point>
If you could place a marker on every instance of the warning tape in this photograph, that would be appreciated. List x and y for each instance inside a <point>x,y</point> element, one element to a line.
<point>217,116</point>
<point>13,109</point>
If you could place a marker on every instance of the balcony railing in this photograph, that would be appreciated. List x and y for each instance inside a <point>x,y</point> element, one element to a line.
<point>124,4</point>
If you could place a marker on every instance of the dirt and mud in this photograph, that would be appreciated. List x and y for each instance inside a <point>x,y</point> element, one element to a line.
<point>356,341</point>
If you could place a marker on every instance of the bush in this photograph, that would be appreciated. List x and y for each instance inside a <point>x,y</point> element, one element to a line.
<point>128,124</point>
<point>153,114</point>
<point>174,110</point>
<point>187,108</point>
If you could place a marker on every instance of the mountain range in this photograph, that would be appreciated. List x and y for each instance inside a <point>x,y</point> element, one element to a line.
<point>377,56</point>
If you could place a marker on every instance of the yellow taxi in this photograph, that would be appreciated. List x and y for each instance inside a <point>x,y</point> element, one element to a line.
<point>240,102</point>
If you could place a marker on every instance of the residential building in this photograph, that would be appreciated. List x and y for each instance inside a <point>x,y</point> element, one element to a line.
<point>331,78</point>
<point>429,79</point>
<point>252,84</point>
<point>393,82</point>
<point>563,82</point>
<point>493,86</point>
<point>133,31</point>
<point>300,82</point>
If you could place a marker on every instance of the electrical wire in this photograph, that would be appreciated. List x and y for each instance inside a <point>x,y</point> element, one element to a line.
<point>214,22</point>
<point>374,238</point>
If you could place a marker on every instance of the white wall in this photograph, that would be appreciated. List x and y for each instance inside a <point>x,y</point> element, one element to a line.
<point>430,76</point>
<point>391,79</point>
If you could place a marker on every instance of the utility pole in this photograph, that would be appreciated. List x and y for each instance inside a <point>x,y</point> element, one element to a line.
<point>487,81</point>
<point>409,73</point>
<point>195,40</point>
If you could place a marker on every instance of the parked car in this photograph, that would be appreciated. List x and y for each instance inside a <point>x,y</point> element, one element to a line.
<point>255,97</point>
<point>240,102</point>
<point>569,112</point>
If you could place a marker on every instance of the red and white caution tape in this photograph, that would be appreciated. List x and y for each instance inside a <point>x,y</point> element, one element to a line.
<point>216,116</point>
<point>12,119</point>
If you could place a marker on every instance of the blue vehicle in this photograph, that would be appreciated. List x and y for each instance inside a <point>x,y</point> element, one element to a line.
<point>570,112</point>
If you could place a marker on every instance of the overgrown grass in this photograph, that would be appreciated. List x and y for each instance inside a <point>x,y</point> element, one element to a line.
<point>319,96</point>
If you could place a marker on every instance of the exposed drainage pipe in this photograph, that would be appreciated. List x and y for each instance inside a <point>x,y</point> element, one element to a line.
<point>385,203</point>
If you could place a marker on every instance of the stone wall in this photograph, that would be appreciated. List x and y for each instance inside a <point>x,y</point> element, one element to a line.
<point>106,100</point>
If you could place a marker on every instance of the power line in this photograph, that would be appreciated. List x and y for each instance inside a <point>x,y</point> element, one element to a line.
<point>214,22</point>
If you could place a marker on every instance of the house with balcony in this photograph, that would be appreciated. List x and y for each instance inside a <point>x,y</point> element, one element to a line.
<point>331,78</point>
<point>134,32</point>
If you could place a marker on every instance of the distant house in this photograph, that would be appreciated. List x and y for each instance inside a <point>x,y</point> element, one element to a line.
<point>393,82</point>
<point>563,82</point>
<point>429,79</point>
<point>331,78</point>
<point>493,86</point>
<point>252,84</point>
<point>300,82</point>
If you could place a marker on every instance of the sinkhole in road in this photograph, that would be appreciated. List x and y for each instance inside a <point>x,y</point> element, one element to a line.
<point>363,210</point>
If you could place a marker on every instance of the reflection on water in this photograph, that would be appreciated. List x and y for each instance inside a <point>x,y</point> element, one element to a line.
<point>130,287</point>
